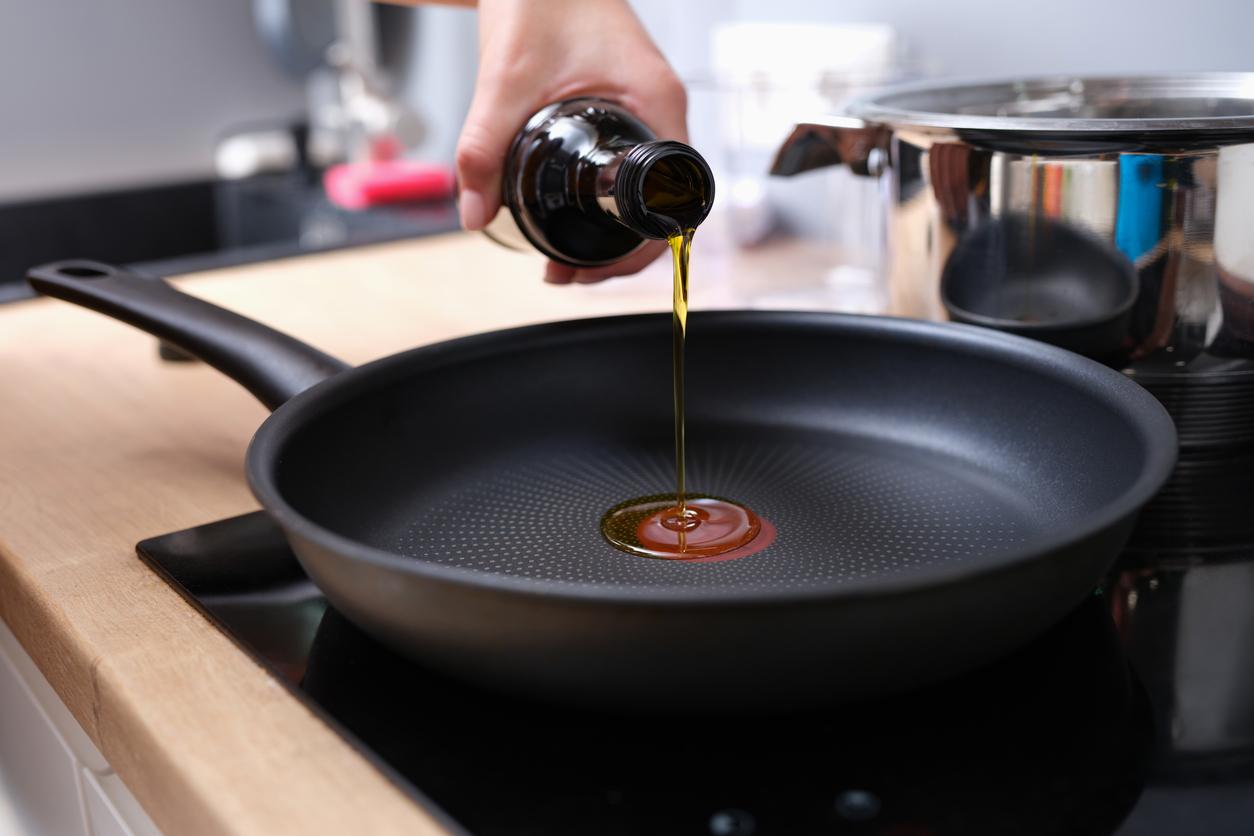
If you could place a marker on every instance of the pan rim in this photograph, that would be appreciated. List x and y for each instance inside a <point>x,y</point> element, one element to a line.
<point>1138,407</point>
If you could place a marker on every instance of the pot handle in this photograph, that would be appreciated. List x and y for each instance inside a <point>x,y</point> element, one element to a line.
<point>838,140</point>
<point>269,364</point>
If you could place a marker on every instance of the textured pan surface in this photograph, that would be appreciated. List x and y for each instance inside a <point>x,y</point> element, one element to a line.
<point>845,509</point>
<point>881,450</point>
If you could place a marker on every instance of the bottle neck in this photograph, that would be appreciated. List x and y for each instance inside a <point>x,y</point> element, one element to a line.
<point>657,189</point>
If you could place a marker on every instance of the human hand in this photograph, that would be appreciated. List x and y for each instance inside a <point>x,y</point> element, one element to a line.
<point>535,52</point>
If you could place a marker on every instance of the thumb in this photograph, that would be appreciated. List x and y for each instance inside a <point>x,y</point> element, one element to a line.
<point>485,139</point>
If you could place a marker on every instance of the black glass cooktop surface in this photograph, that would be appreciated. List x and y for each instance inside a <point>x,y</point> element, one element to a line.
<point>1134,715</point>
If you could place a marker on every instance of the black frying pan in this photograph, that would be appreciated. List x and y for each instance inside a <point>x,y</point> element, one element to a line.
<point>941,493</point>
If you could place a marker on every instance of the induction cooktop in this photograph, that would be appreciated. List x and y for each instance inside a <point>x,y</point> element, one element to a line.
<point>1133,715</point>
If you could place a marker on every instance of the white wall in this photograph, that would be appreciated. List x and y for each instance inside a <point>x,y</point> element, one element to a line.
<point>121,92</point>
<point>99,94</point>
<point>440,79</point>
<point>999,37</point>
<point>957,37</point>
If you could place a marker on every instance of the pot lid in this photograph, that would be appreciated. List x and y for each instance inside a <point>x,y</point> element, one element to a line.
<point>1064,104</point>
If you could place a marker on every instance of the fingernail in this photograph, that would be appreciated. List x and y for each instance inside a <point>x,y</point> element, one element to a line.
<point>588,277</point>
<point>470,205</point>
<point>556,273</point>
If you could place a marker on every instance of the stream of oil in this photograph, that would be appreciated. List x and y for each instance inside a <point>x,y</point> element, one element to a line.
<point>680,526</point>
<point>681,248</point>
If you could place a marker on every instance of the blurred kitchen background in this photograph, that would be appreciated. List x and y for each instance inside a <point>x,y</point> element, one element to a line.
<point>180,134</point>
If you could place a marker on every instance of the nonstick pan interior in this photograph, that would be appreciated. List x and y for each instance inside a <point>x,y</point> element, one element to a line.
<point>878,453</point>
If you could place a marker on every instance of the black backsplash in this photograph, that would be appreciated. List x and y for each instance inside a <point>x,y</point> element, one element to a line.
<point>122,226</point>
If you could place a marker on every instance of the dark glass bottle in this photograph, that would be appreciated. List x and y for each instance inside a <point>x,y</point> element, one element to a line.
<point>586,183</point>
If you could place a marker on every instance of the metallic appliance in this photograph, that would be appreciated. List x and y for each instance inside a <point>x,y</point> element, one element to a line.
<point>1107,215</point>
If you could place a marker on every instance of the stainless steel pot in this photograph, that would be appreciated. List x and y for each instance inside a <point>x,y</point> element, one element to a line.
<point>1186,621</point>
<point>1112,216</point>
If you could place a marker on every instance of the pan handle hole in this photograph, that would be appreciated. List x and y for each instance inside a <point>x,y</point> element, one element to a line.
<point>79,271</point>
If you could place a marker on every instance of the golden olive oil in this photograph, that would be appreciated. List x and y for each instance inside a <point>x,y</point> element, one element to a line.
<point>681,246</point>
<point>681,526</point>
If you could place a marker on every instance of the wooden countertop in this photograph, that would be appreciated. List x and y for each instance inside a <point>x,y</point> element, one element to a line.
<point>102,445</point>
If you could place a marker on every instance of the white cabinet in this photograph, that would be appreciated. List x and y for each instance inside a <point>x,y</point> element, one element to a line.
<point>103,816</point>
<point>37,771</point>
<point>53,780</point>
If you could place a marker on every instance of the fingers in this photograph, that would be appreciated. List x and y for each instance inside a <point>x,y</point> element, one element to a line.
<point>480,152</point>
<point>555,273</point>
<point>651,89</point>
<point>667,108</point>
<point>496,113</point>
<point>532,54</point>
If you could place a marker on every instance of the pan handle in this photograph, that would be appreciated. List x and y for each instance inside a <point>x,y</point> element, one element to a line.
<point>271,365</point>
<point>838,140</point>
